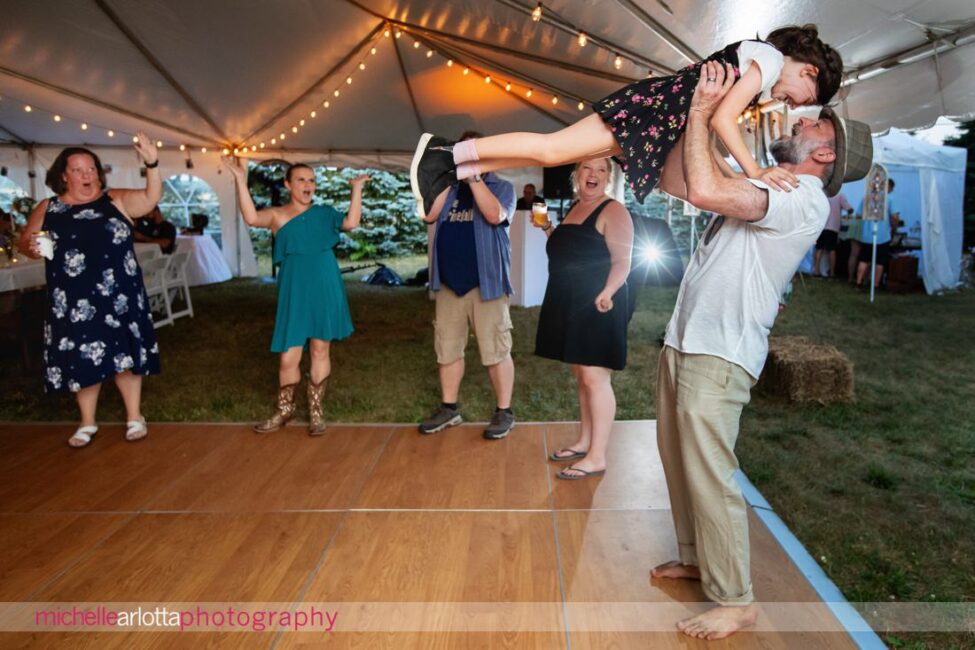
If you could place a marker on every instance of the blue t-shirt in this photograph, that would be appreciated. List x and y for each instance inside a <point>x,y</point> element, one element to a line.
<point>456,250</point>
<point>883,226</point>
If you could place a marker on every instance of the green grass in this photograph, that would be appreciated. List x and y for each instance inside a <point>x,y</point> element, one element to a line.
<point>881,492</point>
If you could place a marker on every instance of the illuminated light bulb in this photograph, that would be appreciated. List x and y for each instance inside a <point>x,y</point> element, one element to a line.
<point>362,66</point>
<point>583,39</point>
<point>283,136</point>
<point>487,79</point>
<point>182,147</point>
<point>529,92</point>
<point>135,138</point>
<point>274,140</point>
<point>372,51</point>
<point>111,133</point>
<point>57,118</point>
<point>203,149</point>
<point>336,92</point>
<point>314,113</point>
<point>450,62</point>
<point>253,147</point>
<point>398,33</point>
<point>618,62</point>
<point>416,45</point>
<point>555,100</point>
<point>159,144</point>
<point>537,13</point>
<point>740,119</point>
<point>348,80</point>
<point>507,86</point>
<point>261,145</point>
<point>28,108</point>
<point>301,123</point>
<point>429,53</point>
<point>326,104</point>
<point>235,151</point>
<point>226,151</point>
<point>294,129</point>
<point>581,106</point>
<point>386,33</point>
<point>467,71</point>
<point>84,126</point>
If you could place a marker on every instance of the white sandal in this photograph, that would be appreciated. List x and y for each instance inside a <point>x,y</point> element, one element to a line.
<point>82,436</point>
<point>136,429</point>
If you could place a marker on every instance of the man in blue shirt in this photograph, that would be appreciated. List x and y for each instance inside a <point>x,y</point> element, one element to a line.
<point>470,273</point>
<point>883,239</point>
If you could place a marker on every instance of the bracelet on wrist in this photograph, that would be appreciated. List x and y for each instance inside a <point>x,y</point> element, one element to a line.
<point>152,165</point>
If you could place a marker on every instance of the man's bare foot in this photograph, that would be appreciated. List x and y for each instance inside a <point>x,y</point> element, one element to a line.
<point>676,570</point>
<point>719,622</point>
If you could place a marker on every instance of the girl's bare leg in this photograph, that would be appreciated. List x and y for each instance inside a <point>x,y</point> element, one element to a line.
<point>586,138</point>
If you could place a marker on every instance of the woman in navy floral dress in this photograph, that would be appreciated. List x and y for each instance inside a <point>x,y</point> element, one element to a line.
<point>99,325</point>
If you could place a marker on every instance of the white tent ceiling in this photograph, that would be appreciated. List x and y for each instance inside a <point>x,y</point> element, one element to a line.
<point>229,72</point>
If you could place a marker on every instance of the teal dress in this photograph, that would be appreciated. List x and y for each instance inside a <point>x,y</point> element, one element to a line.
<point>311,296</point>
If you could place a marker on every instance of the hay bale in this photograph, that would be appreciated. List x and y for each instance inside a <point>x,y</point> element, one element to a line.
<point>802,371</point>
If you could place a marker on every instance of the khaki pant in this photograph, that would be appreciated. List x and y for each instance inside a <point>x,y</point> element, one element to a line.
<point>490,319</point>
<point>699,402</point>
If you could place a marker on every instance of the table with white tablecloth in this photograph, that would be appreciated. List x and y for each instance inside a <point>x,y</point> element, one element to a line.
<point>206,264</point>
<point>26,273</point>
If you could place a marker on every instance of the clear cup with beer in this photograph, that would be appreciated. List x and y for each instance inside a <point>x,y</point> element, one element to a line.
<point>540,214</point>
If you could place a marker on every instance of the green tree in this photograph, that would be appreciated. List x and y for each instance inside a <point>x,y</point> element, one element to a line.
<point>966,140</point>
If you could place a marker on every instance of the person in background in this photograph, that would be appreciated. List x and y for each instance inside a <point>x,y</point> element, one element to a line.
<point>585,312</point>
<point>99,322</point>
<point>471,269</point>
<point>830,235</point>
<point>154,229</point>
<point>528,196</point>
<point>200,223</point>
<point>884,226</point>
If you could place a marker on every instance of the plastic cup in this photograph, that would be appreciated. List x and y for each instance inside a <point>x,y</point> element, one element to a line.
<point>44,243</point>
<point>539,214</point>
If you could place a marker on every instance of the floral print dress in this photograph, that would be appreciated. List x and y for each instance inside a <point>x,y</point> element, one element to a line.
<point>99,323</point>
<point>649,116</point>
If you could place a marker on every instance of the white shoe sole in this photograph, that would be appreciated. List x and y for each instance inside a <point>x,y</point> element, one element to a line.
<point>452,422</point>
<point>421,148</point>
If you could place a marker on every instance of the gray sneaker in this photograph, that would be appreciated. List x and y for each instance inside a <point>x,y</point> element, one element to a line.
<point>440,419</point>
<point>502,422</point>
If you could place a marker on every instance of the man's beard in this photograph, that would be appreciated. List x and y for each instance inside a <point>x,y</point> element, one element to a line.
<point>790,150</point>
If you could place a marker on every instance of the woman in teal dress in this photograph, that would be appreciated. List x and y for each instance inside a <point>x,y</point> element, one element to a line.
<point>313,309</point>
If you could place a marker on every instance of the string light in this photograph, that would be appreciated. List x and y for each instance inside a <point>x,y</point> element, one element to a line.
<point>348,80</point>
<point>581,106</point>
<point>487,79</point>
<point>301,123</point>
<point>203,149</point>
<point>159,144</point>
<point>429,53</point>
<point>281,136</point>
<point>450,63</point>
<point>362,66</point>
<point>618,62</point>
<point>261,145</point>
<point>326,104</point>
<point>537,13</point>
<point>274,140</point>
<point>135,138</point>
<point>336,92</point>
<point>57,118</point>
<point>507,86</point>
<point>253,147</point>
<point>372,51</point>
<point>583,39</point>
<point>182,147</point>
<point>555,100</point>
<point>416,45</point>
<point>386,33</point>
<point>226,151</point>
<point>27,108</point>
<point>314,113</point>
<point>467,71</point>
<point>84,126</point>
<point>111,133</point>
<point>398,33</point>
<point>529,92</point>
<point>294,129</point>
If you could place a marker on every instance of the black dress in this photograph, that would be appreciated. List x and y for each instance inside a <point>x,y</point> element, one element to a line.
<point>648,117</point>
<point>99,323</point>
<point>570,328</point>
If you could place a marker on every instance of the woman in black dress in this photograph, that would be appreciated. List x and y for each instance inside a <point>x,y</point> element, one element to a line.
<point>99,324</point>
<point>585,312</point>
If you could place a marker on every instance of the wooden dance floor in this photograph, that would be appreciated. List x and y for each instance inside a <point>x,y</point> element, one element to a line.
<point>366,514</point>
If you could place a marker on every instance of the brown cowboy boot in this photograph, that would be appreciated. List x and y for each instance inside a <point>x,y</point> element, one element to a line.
<point>316,414</point>
<point>286,410</point>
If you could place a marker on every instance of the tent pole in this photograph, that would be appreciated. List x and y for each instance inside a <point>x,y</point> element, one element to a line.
<point>873,262</point>
<point>31,173</point>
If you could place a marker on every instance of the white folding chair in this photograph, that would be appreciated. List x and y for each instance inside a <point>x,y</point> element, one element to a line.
<point>177,285</point>
<point>154,277</point>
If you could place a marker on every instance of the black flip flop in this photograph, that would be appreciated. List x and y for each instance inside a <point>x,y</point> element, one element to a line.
<point>575,455</point>
<point>575,477</point>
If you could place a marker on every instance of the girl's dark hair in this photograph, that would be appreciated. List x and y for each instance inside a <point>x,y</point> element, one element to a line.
<point>802,44</point>
<point>296,166</point>
<point>55,175</point>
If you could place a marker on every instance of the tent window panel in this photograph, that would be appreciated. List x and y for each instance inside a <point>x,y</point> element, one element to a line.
<point>185,195</point>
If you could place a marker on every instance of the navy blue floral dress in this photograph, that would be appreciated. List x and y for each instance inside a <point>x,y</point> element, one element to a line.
<point>99,323</point>
<point>649,116</point>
